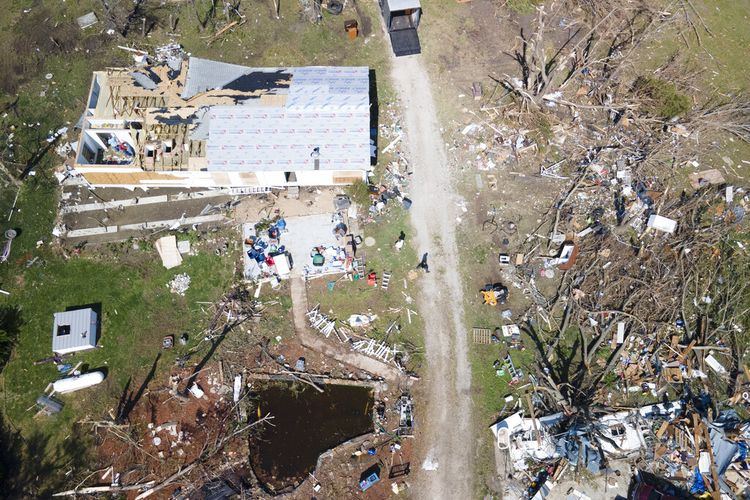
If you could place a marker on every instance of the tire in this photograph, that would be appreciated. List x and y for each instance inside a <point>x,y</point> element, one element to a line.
<point>335,7</point>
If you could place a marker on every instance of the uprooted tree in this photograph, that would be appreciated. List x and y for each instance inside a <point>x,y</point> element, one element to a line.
<point>672,295</point>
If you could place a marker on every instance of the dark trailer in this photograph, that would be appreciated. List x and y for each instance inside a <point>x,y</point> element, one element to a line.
<point>401,21</point>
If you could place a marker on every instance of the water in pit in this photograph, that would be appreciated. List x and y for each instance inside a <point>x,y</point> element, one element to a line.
<point>306,423</point>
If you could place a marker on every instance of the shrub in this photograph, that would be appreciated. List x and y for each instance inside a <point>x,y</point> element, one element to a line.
<point>359,192</point>
<point>663,98</point>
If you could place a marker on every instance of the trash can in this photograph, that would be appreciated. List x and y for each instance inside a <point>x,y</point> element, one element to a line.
<point>352,28</point>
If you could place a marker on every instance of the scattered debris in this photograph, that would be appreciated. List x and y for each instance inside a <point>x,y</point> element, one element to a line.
<point>361,320</point>
<point>700,179</point>
<point>87,20</point>
<point>379,350</point>
<point>662,223</point>
<point>179,284</point>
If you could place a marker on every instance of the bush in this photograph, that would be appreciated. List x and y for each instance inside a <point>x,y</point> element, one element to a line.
<point>663,98</point>
<point>359,192</point>
<point>10,322</point>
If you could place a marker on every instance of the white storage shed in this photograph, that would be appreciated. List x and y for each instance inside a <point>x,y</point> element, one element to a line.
<point>74,330</point>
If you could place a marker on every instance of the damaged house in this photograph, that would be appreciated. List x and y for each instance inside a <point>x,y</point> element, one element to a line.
<point>208,124</point>
<point>555,436</point>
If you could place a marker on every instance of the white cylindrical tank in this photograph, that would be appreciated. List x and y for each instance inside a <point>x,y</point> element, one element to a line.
<point>70,384</point>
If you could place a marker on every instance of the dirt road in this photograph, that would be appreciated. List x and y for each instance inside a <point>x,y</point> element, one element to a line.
<point>445,424</point>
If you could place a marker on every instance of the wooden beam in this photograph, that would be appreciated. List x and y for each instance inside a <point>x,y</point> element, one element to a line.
<point>533,419</point>
<point>684,354</point>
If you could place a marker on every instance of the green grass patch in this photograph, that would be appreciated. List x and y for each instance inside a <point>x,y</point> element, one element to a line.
<point>523,7</point>
<point>716,68</point>
<point>662,97</point>
<point>137,311</point>
<point>489,388</point>
<point>720,58</point>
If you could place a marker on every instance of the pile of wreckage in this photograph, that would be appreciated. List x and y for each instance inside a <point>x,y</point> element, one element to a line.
<point>646,280</point>
<point>378,349</point>
<point>644,283</point>
<point>394,181</point>
<point>337,254</point>
<point>634,274</point>
<point>264,256</point>
<point>690,453</point>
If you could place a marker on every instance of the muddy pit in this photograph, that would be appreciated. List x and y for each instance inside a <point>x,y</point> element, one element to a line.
<point>306,424</point>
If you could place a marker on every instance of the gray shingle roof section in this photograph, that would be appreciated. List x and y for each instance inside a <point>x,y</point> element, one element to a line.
<point>203,120</point>
<point>204,75</point>
<point>83,334</point>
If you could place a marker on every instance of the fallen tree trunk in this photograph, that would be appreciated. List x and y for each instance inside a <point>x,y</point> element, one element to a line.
<point>103,489</point>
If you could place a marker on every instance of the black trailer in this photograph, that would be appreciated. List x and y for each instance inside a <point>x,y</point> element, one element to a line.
<point>401,20</point>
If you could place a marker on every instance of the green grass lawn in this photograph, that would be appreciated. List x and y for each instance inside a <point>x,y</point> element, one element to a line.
<point>718,65</point>
<point>488,388</point>
<point>137,311</point>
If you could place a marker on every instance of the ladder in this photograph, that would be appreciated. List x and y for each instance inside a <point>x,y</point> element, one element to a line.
<point>515,374</point>
<point>320,321</point>
<point>358,264</point>
<point>386,280</point>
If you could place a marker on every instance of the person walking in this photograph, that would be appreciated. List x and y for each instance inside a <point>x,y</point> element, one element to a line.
<point>423,264</point>
<point>400,241</point>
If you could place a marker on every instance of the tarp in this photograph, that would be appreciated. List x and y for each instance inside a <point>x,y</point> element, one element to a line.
<point>699,485</point>
<point>724,450</point>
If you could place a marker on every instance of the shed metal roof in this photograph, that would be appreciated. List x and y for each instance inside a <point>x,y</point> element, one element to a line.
<point>82,333</point>
<point>394,5</point>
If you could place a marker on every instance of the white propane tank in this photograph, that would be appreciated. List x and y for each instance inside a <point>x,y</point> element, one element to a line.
<point>70,384</point>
